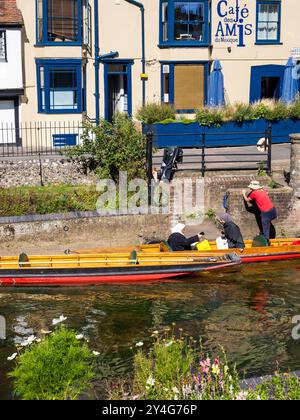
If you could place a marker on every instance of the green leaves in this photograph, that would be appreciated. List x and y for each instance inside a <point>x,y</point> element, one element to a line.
<point>58,368</point>
<point>155,112</point>
<point>111,148</point>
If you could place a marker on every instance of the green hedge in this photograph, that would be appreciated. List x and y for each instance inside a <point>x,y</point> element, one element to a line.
<point>238,112</point>
<point>21,201</point>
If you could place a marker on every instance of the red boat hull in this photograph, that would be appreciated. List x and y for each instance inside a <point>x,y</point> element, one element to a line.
<point>247,259</point>
<point>81,281</point>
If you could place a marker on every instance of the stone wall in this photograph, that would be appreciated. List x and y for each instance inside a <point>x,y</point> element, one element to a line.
<point>63,231</point>
<point>287,223</point>
<point>49,170</point>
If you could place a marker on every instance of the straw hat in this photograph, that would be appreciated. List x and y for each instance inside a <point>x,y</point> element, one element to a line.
<point>255,185</point>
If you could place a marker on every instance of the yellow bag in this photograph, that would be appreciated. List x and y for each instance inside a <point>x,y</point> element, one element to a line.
<point>203,246</point>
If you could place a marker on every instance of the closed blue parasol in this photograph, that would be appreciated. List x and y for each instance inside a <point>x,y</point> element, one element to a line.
<point>216,86</point>
<point>290,86</point>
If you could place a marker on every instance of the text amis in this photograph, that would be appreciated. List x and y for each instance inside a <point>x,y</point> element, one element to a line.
<point>233,22</point>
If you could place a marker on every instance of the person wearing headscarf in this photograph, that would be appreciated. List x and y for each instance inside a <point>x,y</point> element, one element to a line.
<point>268,212</point>
<point>178,241</point>
<point>231,231</point>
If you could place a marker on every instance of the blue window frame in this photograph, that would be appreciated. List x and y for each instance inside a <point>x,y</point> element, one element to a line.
<point>268,22</point>
<point>59,22</point>
<point>176,85</point>
<point>117,87</point>
<point>60,86</point>
<point>184,23</point>
<point>266,82</point>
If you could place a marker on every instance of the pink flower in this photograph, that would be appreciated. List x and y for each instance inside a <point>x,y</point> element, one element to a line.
<point>216,361</point>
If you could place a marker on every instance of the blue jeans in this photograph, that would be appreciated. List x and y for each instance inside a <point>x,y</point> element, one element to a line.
<point>266,219</point>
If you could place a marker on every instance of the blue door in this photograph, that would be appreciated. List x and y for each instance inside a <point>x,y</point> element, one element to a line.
<point>266,82</point>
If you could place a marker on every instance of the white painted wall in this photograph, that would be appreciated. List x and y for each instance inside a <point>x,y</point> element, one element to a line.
<point>11,71</point>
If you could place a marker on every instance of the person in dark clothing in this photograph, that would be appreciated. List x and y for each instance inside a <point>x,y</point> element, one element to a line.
<point>177,240</point>
<point>232,231</point>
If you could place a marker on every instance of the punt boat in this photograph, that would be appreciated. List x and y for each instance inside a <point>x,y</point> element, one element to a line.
<point>89,269</point>
<point>279,250</point>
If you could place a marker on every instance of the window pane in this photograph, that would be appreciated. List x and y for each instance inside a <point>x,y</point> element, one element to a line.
<point>197,31</point>
<point>189,21</point>
<point>40,20</point>
<point>262,31</point>
<point>181,11</point>
<point>60,78</point>
<point>117,68</point>
<point>63,89</point>
<point>272,31</point>
<point>263,13</point>
<point>60,100</point>
<point>2,45</point>
<point>196,11</point>
<point>165,16</point>
<point>181,31</point>
<point>63,20</point>
<point>273,12</point>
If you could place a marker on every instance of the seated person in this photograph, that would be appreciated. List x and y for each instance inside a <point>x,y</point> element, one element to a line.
<point>203,244</point>
<point>177,240</point>
<point>232,231</point>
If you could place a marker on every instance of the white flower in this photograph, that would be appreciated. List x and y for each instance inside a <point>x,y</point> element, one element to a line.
<point>28,341</point>
<point>155,332</point>
<point>56,321</point>
<point>96,353</point>
<point>38,340</point>
<point>231,389</point>
<point>226,369</point>
<point>139,344</point>
<point>166,389</point>
<point>13,356</point>
<point>169,344</point>
<point>150,381</point>
<point>46,331</point>
<point>175,390</point>
<point>79,336</point>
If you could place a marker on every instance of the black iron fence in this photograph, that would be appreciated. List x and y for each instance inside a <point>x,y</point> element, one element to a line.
<point>39,138</point>
<point>215,155</point>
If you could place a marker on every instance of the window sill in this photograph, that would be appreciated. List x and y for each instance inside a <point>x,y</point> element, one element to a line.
<point>59,112</point>
<point>268,43</point>
<point>59,44</point>
<point>184,45</point>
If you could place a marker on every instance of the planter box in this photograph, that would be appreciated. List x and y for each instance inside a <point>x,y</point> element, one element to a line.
<point>230,134</point>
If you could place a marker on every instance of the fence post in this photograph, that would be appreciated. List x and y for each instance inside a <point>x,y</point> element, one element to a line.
<point>149,163</point>
<point>203,167</point>
<point>269,143</point>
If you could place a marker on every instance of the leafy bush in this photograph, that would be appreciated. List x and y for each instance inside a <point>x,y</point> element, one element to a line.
<point>58,368</point>
<point>294,110</point>
<point>21,201</point>
<point>243,112</point>
<point>155,112</point>
<point>239,112</point>
<point>113,147</point>
<point>278,112</point>
<point>209,116</point>
<point>176,368</point>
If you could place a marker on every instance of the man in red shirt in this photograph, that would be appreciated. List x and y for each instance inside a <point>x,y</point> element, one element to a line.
<point>267,210</point>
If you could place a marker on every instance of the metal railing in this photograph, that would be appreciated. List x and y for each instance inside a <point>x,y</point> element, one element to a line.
<point>39,138</point>
<point>215,151</point>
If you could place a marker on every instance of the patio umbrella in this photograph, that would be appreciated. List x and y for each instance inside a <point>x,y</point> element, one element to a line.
<point>290,86</point>
<point>216,86</point>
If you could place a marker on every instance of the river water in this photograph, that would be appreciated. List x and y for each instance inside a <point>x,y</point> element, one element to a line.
<point>247,310</point>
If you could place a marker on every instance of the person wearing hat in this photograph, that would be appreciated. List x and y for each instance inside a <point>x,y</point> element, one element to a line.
<point>177,240</point>
<point>268,212</point>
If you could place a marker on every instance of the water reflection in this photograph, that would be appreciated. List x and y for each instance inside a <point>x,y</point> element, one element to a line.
<point>247,311</point>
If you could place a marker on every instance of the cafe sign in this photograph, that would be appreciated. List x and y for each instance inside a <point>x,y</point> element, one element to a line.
<point>233,25</point>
